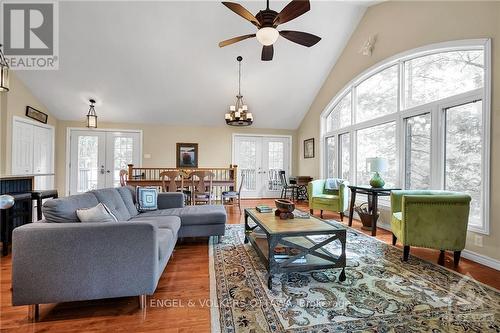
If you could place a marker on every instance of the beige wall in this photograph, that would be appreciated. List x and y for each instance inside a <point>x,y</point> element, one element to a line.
<point>401,26</point>
<point>214,144</point>
<point>13,103</point>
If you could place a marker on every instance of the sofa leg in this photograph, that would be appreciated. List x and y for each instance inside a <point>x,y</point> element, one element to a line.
<point>321,213</point>
<point>406,252</point>
<point>441,258</point>
<point>456,257</point>
<point>394,239</point>
<point>33,312</point>
<point>342,216</point>
<point>142,302</point>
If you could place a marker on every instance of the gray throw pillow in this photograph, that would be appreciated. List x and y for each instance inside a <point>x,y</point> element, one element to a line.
<point>99,213</point>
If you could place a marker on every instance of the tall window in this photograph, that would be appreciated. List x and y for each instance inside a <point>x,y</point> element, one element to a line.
<point>425,113</point>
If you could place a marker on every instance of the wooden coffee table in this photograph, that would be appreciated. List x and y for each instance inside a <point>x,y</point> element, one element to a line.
<point>296,234</point>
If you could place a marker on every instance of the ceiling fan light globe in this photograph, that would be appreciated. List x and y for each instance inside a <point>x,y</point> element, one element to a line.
<point>267,36</point>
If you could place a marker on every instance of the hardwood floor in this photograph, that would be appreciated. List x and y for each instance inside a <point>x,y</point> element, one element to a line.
<point>180,303</point>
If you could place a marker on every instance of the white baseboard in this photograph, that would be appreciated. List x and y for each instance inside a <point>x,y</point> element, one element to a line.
<point>481,259</point>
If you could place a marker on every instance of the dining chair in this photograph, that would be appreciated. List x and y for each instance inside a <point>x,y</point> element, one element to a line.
<point>169,182</point>
<point>202,187</point>
<point>287,188</point>
<point>123,177</point>
<point>233,195</point>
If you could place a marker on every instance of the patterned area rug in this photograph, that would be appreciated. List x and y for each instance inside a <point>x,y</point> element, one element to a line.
<point>380,294</point>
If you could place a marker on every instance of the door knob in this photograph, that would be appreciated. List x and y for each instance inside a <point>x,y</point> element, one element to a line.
<point>102,170</point>
<point>108,171</point>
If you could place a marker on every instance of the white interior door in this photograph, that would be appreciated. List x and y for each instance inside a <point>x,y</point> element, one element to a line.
<point>96,158</point>
<point>22,148</point>
<point>259,160</point>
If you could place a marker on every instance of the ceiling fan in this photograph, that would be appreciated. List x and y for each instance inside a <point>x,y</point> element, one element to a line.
<point>267,21</point>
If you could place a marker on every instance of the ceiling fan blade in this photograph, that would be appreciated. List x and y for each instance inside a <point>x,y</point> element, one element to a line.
<point>267,53</point>
<point>299,37</point>
<point>241,11</point>
<point>293,10</point>
<point>235,40</point>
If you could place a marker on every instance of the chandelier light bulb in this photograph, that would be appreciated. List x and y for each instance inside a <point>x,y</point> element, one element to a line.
<point>267,36</point>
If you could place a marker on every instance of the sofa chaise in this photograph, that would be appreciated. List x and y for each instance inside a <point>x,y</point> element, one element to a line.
<point>60,259</point>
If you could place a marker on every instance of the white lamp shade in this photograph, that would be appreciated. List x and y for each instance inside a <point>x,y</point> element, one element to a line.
<point>227,116</point>
<point>244,107</point>
<point>267,36</point>
<point>232,108</point>
<point>237,114</point>
<point>377,164</point>
<point>249,115</point>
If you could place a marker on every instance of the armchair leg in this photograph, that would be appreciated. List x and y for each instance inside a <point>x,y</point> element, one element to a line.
<point>342,216</point>
<point>394,239</point>
<point>456,257</point>
<point>33,312</point>
<point>311,211</point>
<point>321,213</point>
<point>406,252</point>
<point>441,258</point>
<point>142,302</point>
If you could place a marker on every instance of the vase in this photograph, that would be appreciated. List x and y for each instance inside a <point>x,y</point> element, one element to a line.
<point>377,181</point>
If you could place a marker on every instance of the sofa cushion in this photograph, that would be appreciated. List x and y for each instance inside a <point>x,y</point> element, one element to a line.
<point>165,242</point>
<point>325,198</point>
<point>192,215</point>
<point>99,213</point>
<point>63,210</point>
<point>113,200</point>
<point>128,198</point>
<point>163,222</point>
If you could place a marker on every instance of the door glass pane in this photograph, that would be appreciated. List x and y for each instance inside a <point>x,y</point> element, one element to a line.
<point>418,152</point>
<point>345,156</point>
<point>331,157</point>
<point>464,146</point>
<point>87,163</point>
<point>341,114</point>
<point>377,141</point>
<point>441,75</point>
<point>378,95</point>
<point>248,164</point>
<point>122,151</point>
<point>276,164</point>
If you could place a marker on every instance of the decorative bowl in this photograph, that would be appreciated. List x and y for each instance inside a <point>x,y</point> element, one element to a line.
<point>284,209</point>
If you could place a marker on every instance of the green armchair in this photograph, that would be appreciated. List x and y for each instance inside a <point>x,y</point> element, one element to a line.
<point>432,219</point>
<point>323,199</point>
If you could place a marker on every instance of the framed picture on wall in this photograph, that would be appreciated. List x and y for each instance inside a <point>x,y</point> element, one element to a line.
<point>309,148</point>
<point>187,155</point>
<point>37,115</point>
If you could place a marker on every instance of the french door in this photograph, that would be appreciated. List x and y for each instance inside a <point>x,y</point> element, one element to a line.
<point>259,160</point>
<point>96,158</point>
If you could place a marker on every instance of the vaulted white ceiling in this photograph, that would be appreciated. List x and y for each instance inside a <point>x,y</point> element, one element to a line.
<point>159,62</point>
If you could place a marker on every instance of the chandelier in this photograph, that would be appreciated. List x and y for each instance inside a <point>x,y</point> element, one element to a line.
<point>238,114</point>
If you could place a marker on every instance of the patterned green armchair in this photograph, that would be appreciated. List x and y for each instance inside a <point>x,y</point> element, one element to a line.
<point>323,199</point>
<point>432,219</point>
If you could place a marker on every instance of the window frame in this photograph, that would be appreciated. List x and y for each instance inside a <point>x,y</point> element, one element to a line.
<point>435,108</point>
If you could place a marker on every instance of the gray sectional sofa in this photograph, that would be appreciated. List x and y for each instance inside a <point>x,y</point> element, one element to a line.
<point>60,259</point>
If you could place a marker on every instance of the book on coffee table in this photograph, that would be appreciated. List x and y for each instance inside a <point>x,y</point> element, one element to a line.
<point>264,209</point>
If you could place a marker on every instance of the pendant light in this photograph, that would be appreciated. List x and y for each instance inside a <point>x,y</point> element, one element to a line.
<point>91,116</point>
<point>4,72</point>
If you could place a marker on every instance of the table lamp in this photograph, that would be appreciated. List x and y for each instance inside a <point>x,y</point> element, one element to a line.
<point>376,165</point>
<point>6,201</point>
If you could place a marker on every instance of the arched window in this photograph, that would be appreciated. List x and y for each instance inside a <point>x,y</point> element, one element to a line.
<point>427,112</point>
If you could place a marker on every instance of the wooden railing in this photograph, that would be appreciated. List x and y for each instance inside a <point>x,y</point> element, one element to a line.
<point>225,179</point>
